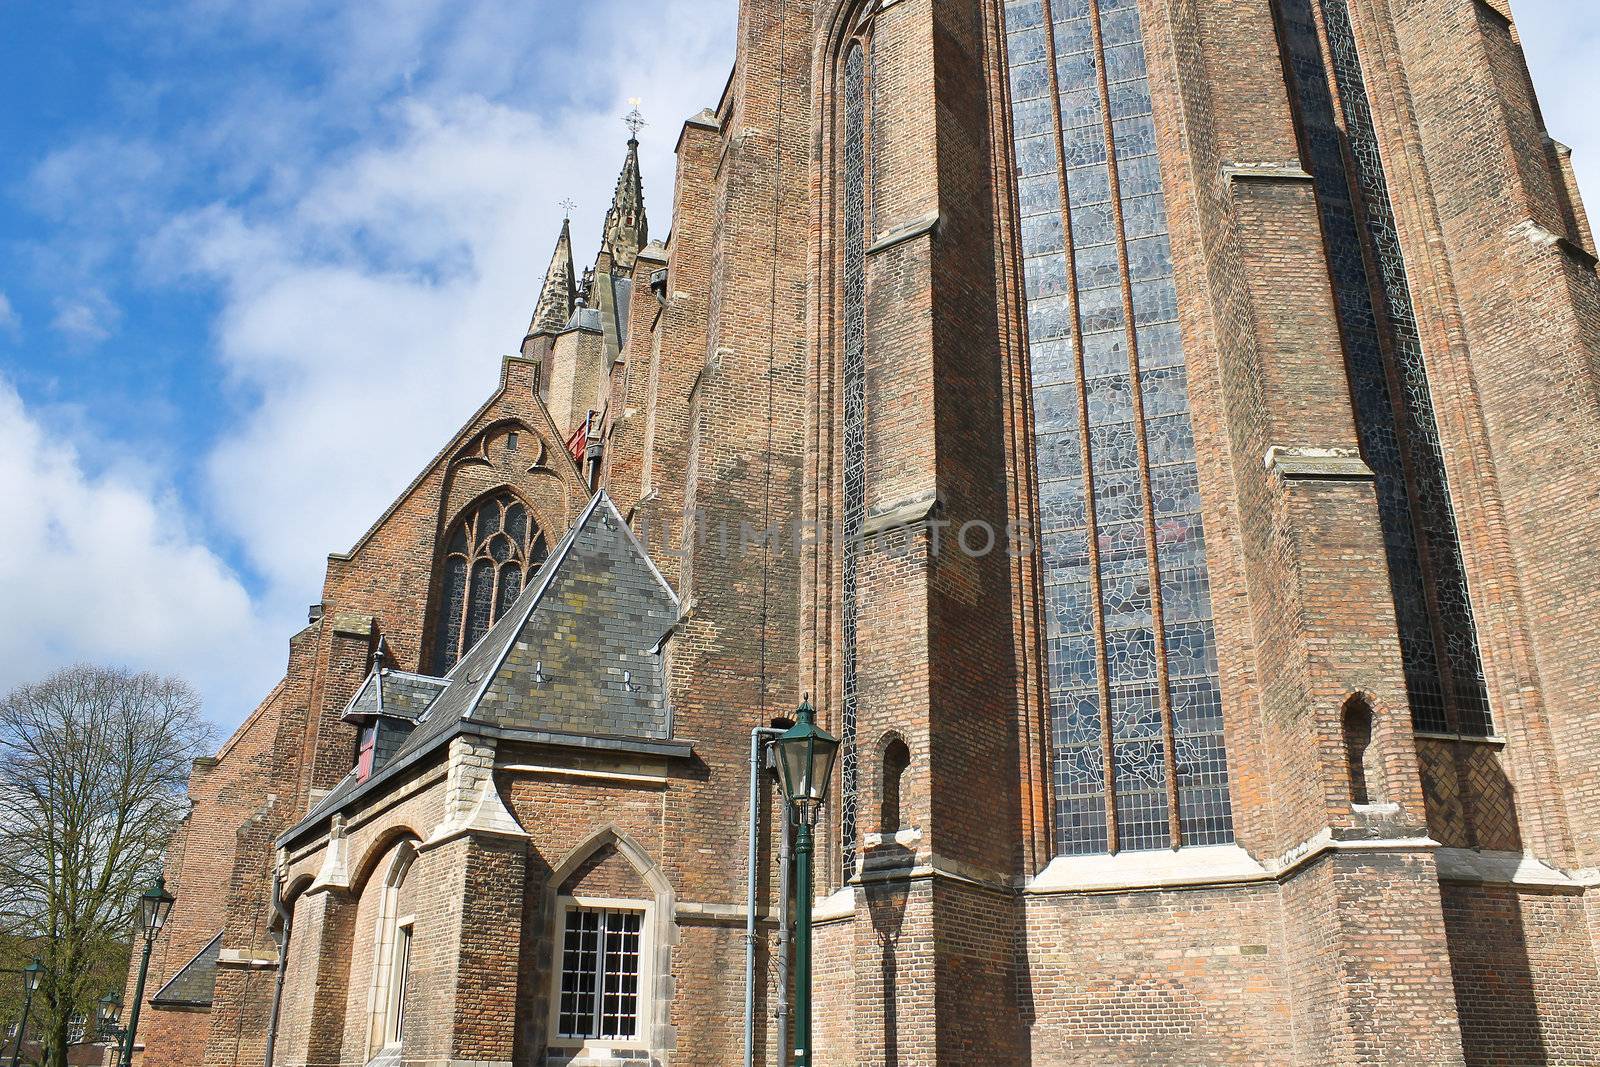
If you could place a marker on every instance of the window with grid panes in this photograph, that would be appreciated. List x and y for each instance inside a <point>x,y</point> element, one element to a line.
<point>600,974</point>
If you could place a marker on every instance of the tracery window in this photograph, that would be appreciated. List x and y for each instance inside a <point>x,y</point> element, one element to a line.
<point>1135,703</point>
<point>855,411</point>
<point>1383,353</point>
<point>491,552</point>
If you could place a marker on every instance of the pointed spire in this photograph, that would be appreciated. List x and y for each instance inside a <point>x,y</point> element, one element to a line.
<point>627,229</point>
<point>554,310</point>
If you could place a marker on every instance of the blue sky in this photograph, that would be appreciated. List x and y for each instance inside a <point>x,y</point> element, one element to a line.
<point>257,260</point>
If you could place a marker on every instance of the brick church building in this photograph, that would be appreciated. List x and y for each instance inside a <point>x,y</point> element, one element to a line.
<point>1161,435</point>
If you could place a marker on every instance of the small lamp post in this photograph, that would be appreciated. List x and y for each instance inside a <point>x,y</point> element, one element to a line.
<point>30,981</point>
<point>806,755</point>
<point>155,904</point>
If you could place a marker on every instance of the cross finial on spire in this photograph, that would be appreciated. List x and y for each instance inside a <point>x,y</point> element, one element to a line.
<point>634,120</point>
<point>569,206</point>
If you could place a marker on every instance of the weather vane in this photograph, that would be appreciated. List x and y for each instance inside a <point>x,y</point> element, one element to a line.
<point>635,118</point>
<point>569,206</point>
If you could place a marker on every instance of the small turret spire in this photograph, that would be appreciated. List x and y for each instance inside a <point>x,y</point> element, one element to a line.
<point>627,229</point>
<point>554,309</point>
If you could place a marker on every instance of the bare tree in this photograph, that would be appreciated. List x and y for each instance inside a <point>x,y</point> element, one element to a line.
<point>93,765</point>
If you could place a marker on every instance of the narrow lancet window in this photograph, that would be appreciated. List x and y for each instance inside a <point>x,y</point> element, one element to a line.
<point>855,405</point>
<point>1389,387</point>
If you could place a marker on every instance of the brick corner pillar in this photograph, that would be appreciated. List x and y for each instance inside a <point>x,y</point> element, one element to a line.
<point>316,986</point>
<point>925,673</point>
<point>468,944</point>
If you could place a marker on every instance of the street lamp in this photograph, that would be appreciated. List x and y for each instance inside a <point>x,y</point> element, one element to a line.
<point>30,981</point>
<point>155,904</point>
<point>806,755</point>
<point>108,1028</point>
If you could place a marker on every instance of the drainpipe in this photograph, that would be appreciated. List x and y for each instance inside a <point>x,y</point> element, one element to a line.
<point>282,937</point>
<point>758,741</point>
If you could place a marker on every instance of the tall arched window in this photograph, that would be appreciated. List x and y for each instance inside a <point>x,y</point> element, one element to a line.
<point>1135,700</point>
<point>855,417</point>
<point>489,555</point>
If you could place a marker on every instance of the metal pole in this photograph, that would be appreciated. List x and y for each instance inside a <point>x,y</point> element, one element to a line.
<point>804,892</point>
<point>785,939</point>
<point>758,747</point>
<point>138,999</point>
<point>22,1028</point>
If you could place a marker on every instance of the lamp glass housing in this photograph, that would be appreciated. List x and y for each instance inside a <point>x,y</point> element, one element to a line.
<point>155,904</point>
<point>32,974</point>
<point>806,755</point>
<point>110,1010</point>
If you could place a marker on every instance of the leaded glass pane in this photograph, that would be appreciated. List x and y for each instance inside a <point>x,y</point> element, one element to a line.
<point>498,537</point>
<point>1383,351</point>
<point>1104,592</point>
<point>855,403</point>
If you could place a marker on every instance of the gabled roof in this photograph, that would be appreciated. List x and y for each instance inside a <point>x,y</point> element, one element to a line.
<point>578,655</point>
<point>195,983</point>
<point>397,694</point>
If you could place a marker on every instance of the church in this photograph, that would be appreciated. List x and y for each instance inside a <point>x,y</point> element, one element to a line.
<point>1160,436</point>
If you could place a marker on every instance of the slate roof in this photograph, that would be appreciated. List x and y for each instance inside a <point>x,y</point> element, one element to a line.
<point>578,656</point>
<point>399,694</point>
<point>194,984</point>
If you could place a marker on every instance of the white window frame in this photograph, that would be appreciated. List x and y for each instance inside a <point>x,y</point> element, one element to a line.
<point>394,1022</point>
<point>602,1047</point>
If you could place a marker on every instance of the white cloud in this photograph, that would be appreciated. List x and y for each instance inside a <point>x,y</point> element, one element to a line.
<point>376,236</point>
<point>97,568</point>
<point>10,321</point>
<point>367,314</point>
<point>86,319</point>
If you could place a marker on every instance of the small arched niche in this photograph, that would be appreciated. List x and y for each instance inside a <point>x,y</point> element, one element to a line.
<point>1360,765</point>
<point>891,793</point>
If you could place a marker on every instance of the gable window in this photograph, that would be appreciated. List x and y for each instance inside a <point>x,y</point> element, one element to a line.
<point>490,554</point>
<point>602,975</point>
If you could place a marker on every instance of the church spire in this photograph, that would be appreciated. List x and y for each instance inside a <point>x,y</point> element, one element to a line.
<point>627,230</point>
<point>554,309</point>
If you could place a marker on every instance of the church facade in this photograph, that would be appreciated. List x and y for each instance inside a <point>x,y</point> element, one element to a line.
<point>1160,437</point>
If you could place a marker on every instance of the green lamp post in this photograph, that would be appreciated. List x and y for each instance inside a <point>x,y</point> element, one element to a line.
<point>806,755</point>
<point>155,904</point>
<point>30,981</point>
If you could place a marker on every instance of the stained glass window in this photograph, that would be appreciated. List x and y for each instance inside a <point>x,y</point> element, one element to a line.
<point>489,555</point>
<point>1383,352</point>
<point>1135,706</point>
<point>855,411</point>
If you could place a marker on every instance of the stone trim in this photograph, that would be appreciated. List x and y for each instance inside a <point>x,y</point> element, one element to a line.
<point>585,772</point>
<point>928,225</point>
<point>1546,238</point>
<point>1472,867</point>
<point>1290,171</point>
<point>1431,735</point>
<point>836,908</point>
<point>1301,463</point>
<point>902,515</point>
<point>472,802</point>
